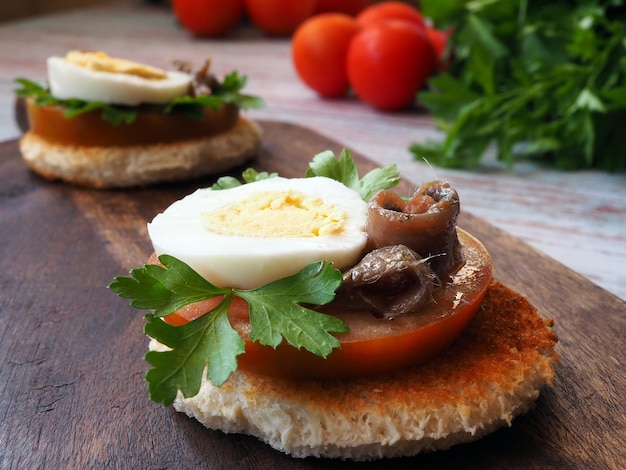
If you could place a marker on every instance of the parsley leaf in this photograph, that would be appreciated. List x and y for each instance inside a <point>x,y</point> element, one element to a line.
<point>249,175</point>
<point>115,114</point>
<point>230,91</point>
<point>29,88</point>
<point>530,79</point>
<point>208,341</point>
<point>344,170</point>
<point>165,288</point>
<point>278,310</point>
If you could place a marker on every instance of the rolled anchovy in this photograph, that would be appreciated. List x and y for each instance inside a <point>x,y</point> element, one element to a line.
<point>389,281</point>
<point>426,223</point>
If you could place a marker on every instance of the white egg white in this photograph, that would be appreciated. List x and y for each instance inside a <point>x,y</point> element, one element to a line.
<point>68,80</point>
<point>247,261</point>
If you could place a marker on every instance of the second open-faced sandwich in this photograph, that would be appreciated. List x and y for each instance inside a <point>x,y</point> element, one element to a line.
<point>106,122</point>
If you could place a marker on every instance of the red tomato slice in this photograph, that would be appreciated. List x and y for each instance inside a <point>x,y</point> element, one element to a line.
<point>150,127</point>
<point>237,311</point>
<point>373,345</point>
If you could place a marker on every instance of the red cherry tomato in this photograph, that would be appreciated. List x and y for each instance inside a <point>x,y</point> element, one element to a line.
<point>210,18</point>
<point>349,7</point>
<point>388,62</point>
<point>439,39</point>
<point>390,11</point>
<point>279,17</point>
<point>319,50</point>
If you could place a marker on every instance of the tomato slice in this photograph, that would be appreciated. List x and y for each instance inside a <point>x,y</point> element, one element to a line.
<point>237,311</point>
<point>373,345</point>
<point>150,127</point>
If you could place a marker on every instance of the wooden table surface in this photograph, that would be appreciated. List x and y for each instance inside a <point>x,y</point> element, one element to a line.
<point>72,393</point>
<point>577,219</point>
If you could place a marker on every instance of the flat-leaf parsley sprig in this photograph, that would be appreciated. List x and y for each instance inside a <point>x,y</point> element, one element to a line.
<point>278,311</point>
<point>344,170</point>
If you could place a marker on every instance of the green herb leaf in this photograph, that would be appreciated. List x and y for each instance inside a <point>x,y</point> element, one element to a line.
<point>115,114</point>
<point>118,115</point>
<point>165,288</point>
<point>225,182</point>
<point>344,170</point>
<point>230,91</point>
<point>207,342</point>
<point>29,88</point>
<point>529,79</point>
<point>278,310</point>
<point>249,175</point>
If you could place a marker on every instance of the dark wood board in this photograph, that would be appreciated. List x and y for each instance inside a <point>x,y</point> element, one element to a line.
<point>72,393</point>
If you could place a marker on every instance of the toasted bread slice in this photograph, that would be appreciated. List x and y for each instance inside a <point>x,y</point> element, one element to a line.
<point>118,167</point>
<point>494,372</point>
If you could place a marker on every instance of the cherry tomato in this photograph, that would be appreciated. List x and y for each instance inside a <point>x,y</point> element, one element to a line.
<point>279,17</point>
<point>439,40</point>
<point>373,345</point>
<point>319,50</point>
<point>210,18</point>
<point>388,62</point>
<point>150,127</point>
<point>390,11</point>
<point>349,7</point>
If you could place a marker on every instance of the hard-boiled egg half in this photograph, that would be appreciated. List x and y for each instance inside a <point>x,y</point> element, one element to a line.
<point>251,235</point>
<point>94,76</point>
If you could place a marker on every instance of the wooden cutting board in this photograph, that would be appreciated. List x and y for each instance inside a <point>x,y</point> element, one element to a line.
<point>71,352</point>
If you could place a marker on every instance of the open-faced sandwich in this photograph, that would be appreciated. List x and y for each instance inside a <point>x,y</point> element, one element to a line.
<point>106,122</point>
<point>330,317</point>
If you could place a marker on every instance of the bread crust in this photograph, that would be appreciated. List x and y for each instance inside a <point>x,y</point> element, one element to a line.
<point>129,166</point>
<point>494,372</point>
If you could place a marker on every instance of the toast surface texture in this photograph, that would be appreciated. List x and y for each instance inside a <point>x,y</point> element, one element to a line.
<point>130,166</point>
<point>494,372</point>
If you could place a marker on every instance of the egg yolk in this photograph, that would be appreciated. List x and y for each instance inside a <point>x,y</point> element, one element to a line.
<point>276,215</point>
<point>101,62</point>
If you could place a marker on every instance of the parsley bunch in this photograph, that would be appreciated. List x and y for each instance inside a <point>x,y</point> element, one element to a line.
<point>279,310</point>
<point>228,91</point>
<point>545,80</point>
